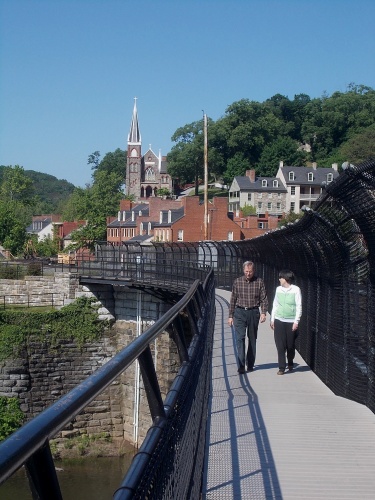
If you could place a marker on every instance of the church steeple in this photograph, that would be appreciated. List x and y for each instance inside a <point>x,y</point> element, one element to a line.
<point>134,136</point>
<point>134,159</point>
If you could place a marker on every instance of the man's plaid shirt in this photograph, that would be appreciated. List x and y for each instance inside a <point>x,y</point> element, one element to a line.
<point>248,294</point>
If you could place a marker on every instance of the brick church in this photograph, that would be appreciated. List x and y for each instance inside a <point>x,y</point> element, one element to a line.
<point>145,174</point>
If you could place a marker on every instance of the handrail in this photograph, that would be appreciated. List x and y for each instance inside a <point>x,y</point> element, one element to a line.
<point>18,448</point>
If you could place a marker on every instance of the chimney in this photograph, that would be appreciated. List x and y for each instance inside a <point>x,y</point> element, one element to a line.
<point>281,164</point>
<point>314,165</point>
<point>251,175</point>
<point>125,205</point>
<point>334,166</point>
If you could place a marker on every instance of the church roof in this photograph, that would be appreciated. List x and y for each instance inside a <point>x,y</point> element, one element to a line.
<point>134,136</point>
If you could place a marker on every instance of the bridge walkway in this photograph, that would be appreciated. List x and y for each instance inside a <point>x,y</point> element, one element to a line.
<point>282,437</point>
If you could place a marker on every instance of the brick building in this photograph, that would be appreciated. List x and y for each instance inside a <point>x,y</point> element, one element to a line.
<point>172,220</point>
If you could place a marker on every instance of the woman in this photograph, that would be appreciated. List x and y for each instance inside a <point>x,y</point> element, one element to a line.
<point>285,316</point>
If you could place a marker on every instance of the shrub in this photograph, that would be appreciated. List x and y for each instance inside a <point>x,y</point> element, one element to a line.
<point>11,417</point>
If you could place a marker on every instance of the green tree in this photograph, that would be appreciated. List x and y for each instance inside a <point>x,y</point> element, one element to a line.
<point>289,218</point>
<point>360,147</point>
<point>86,236</point>
<point>186,158</point>
<point>47,247</point>
<point>236,166</point>
<point>248,210</point>
<point>16,185</point>
<point>12,226</point>
<point>283,148</point>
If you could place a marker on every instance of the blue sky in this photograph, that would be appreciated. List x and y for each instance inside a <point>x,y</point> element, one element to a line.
<point>70,69</point>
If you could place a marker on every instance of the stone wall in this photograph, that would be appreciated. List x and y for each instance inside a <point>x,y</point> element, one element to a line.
<point>59,289</point>
<point>43,374</point>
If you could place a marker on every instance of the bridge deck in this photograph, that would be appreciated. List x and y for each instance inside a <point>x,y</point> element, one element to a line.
<point>282,437</point>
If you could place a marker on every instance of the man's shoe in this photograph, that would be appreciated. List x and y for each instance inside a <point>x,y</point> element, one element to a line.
<point>280,372</point>
<point>241,370</point>
<point>290,367</point>
<point>250,369</point>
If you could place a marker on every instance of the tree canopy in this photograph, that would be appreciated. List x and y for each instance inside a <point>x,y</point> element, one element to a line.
<point>326,130</point>
<point>98,200</point>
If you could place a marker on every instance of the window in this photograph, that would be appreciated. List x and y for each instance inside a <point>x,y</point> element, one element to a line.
<point>134,153</point>
<point>248,196</point>
<point>180,235</point>
<point>150,174</point>
<point>278,206</point>
<point>260,204</point>
<point>329,177</point>
<point>275,184</point>
<point>310,176</point>
<point>293,190</point>
<point>269,206</point>
<point>264,183</point>
<point>262,225</point>
<point>230,235</point>
<point>292,206</point>
<point>291,176</point>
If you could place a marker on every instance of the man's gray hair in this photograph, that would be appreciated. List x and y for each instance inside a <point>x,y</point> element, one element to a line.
<point>248,263</point>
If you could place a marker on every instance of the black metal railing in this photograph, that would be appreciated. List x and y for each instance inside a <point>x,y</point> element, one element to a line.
<point>180,418</point>
<point>331,250</point>
<point>147,268</point>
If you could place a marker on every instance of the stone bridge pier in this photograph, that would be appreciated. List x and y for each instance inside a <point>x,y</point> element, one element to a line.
<point>44,373</point>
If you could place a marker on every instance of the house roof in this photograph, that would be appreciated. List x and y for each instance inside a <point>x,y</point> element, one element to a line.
<point>168,220</point>
<point>142,209</point>
<point>245,184</point>
<point>141,238</point>
<point>301,175</point>
<point>38,224</point>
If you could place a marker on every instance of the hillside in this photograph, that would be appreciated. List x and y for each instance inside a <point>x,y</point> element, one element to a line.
<point>50,191</point>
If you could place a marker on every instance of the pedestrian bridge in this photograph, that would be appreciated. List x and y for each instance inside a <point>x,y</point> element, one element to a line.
<point>307,434</point>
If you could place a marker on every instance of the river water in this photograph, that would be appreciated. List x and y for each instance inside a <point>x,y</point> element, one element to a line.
<point>80,479</point>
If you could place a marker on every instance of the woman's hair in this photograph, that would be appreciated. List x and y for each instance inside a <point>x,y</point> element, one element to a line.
<point>287,275</point>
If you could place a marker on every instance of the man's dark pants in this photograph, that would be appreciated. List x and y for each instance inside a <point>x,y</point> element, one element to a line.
<point>246,321</point>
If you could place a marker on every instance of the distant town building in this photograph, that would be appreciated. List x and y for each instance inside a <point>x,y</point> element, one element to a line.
<point>304,185</point>
<point>172,221</point>
<point>264,194</point>
<point>291,189</point>
<point>145,174</point>
<point>43,226</point>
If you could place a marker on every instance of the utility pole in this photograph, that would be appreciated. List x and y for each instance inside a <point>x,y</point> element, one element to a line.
<point>205,178</point>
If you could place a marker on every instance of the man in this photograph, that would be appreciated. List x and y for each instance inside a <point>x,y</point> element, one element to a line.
<point>248,294</point>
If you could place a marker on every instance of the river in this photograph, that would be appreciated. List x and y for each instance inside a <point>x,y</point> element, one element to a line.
<point>80,479</point>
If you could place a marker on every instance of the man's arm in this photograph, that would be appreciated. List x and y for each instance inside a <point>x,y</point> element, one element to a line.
<point>232,305</point>
<point>263,301</point>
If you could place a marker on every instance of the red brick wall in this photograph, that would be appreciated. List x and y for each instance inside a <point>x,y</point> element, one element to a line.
<point>193,222</point>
